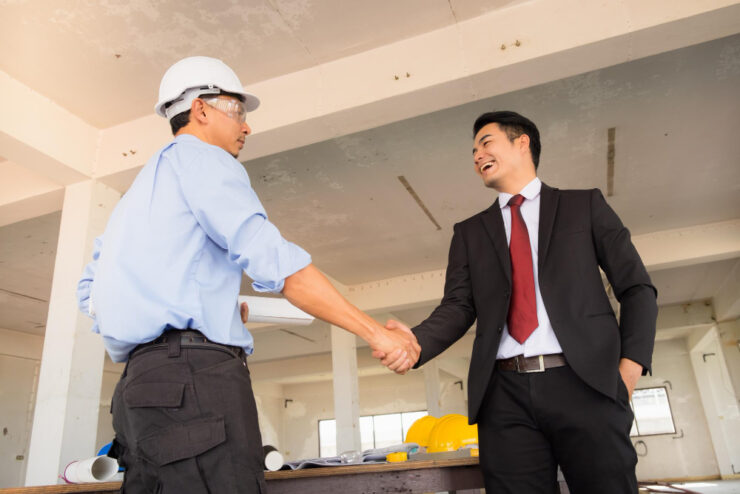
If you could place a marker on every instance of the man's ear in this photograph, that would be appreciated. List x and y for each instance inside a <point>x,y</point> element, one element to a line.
<point>197,111</point>
<point>524,143</point>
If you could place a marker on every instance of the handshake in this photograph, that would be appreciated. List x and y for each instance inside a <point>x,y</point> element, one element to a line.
<point>309,290</point>
<point>396,347</point>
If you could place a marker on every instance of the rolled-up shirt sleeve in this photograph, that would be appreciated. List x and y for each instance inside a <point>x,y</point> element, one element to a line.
<point>85,285</point>
<point>219,193</point>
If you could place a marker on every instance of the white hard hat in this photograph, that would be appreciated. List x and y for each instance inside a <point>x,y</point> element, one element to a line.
<point>194,76</point>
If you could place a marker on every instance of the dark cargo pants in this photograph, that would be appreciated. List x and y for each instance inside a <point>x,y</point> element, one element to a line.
<point>186,421</point>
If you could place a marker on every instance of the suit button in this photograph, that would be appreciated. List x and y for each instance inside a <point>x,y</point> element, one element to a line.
<point>500,329</point>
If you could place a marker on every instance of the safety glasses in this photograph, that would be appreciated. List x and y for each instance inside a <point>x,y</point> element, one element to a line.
<point>233,108</point>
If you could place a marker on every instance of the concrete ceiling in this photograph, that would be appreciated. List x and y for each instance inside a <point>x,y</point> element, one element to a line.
<point>675,115</point>
<point>676,163</point>
<point>55,42</point>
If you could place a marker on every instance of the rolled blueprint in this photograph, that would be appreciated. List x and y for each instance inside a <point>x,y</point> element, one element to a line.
<point>273,458</point>
<point>274,311</point>
<point>95,469</point>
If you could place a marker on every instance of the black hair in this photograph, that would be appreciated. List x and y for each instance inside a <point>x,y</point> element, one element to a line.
<point>514,125</point>
<point>179,121</point>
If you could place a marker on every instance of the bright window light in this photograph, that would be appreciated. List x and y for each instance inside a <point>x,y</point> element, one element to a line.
<point>652,412</point>
<point>376,431</point>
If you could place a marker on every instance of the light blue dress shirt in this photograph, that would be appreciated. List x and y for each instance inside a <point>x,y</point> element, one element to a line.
<point>174,249</point>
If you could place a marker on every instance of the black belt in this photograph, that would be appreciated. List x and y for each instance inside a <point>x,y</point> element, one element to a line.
<point>538,363</point>
<point>186,338</point>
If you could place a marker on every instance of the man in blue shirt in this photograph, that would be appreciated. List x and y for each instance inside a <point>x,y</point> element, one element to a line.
<point>162,290</point>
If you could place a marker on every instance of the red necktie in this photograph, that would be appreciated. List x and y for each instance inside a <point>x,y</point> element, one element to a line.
<point>523,307</point>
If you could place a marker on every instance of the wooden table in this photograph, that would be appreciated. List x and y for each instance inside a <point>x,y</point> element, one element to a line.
<point>410,477</point>
<point>461,475</point>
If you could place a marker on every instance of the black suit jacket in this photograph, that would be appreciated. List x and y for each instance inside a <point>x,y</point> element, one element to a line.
<point>578,233</point>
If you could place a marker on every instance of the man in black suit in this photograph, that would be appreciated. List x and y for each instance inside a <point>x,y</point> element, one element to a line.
<point>552,370</point>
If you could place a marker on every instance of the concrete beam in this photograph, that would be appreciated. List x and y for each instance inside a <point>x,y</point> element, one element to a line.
<point>25,194</point>
<point>400,292</point>
<point>31,207</point>
<point>690,245</point>
<point>446,67</point>
<point>727,298</point>
<point>312,368</point>
<point>38,134</point>
<point>683,320</point>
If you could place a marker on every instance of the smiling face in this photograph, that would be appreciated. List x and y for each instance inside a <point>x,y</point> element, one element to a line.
<point>503,164</point>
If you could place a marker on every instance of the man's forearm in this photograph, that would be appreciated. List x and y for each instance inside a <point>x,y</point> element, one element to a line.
<point>312,292</point>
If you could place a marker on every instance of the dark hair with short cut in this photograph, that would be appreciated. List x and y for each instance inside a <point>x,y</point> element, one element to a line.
<point>179,121</point>
<point>514,125</point>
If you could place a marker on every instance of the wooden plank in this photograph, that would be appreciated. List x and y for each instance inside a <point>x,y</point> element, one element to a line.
<point>460,474</point>
<point>97,488</point>
<point>409,480</point>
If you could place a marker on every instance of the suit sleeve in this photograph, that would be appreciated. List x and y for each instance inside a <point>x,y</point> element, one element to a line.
<point>629,280</point>
<point>456,312</point>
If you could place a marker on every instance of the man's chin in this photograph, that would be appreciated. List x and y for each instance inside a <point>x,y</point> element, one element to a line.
<point>491,184</point>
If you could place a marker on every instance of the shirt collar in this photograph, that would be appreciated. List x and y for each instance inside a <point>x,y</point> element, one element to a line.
<point>530,191</point>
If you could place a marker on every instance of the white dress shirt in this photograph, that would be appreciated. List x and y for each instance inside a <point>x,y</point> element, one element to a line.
<point>543,340</point>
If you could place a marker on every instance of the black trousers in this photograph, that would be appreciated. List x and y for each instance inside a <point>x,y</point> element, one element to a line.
<point>186,422</point>
<point>531,423</point>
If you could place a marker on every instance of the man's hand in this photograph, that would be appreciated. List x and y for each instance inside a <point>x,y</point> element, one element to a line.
<point>311,291</point>
<point>398,360</point>
<point>630,372</point>
<point>244,309</point>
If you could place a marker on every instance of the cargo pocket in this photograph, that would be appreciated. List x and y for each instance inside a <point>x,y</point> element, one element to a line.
<point>175,450</point>
<point>159,404</point>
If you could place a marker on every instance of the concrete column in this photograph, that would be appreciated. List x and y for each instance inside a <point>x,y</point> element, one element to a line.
<point>718,397</point>
<point>431,384</point>
<point>346,389</point>
<point>68,397</point>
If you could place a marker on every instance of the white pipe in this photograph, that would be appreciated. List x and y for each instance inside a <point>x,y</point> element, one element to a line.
<point>273,459</point>
<point>274,311</point>
<point>95,469</point>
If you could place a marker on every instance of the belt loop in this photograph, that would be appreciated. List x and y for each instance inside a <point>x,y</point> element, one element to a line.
<point>173,344</point>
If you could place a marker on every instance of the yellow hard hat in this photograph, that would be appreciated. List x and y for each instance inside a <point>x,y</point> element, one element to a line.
<point>419,431</point>
<point>452,432</point>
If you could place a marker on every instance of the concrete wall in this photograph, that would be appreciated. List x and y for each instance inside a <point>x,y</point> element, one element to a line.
<point>729,333</point>
<point>669,455</point>
<point>315,401</point>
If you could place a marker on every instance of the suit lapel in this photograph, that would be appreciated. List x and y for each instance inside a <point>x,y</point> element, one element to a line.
<point>494,225</point>
<point>548,207</point>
